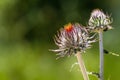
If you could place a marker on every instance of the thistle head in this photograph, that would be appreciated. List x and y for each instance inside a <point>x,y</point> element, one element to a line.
<point>99,21</point>
<point>70,39</point>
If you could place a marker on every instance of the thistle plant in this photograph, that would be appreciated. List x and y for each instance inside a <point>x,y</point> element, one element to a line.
<point>73,39</point>
<point>100,22</point>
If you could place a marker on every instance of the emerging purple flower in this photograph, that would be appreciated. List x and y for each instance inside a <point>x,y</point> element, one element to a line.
<point>72,38</point>
<point>99,21</point>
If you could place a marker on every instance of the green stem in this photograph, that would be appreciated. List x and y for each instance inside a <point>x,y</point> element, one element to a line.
<point>82,66</point>
<point>101,56</point>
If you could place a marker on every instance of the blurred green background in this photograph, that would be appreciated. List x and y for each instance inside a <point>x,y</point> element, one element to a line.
<point>27,28</point>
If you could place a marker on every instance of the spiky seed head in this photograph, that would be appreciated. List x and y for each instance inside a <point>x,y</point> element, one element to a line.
<point>99,21</point>
<point>72,38</point>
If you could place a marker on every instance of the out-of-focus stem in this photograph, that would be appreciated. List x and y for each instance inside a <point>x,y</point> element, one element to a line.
<point>82,66</point>
<point>101,56</point>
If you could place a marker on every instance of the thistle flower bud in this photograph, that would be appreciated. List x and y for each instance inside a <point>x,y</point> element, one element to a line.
<point>72,38</point>
<point>99,21</point>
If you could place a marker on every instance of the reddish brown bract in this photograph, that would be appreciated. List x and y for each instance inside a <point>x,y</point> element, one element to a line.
<point>68,27</point>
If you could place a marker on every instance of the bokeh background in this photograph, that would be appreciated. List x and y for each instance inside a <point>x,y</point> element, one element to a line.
<point>27,28</point>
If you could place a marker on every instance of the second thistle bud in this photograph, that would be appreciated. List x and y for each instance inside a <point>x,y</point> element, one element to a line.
<point>99,21</point>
